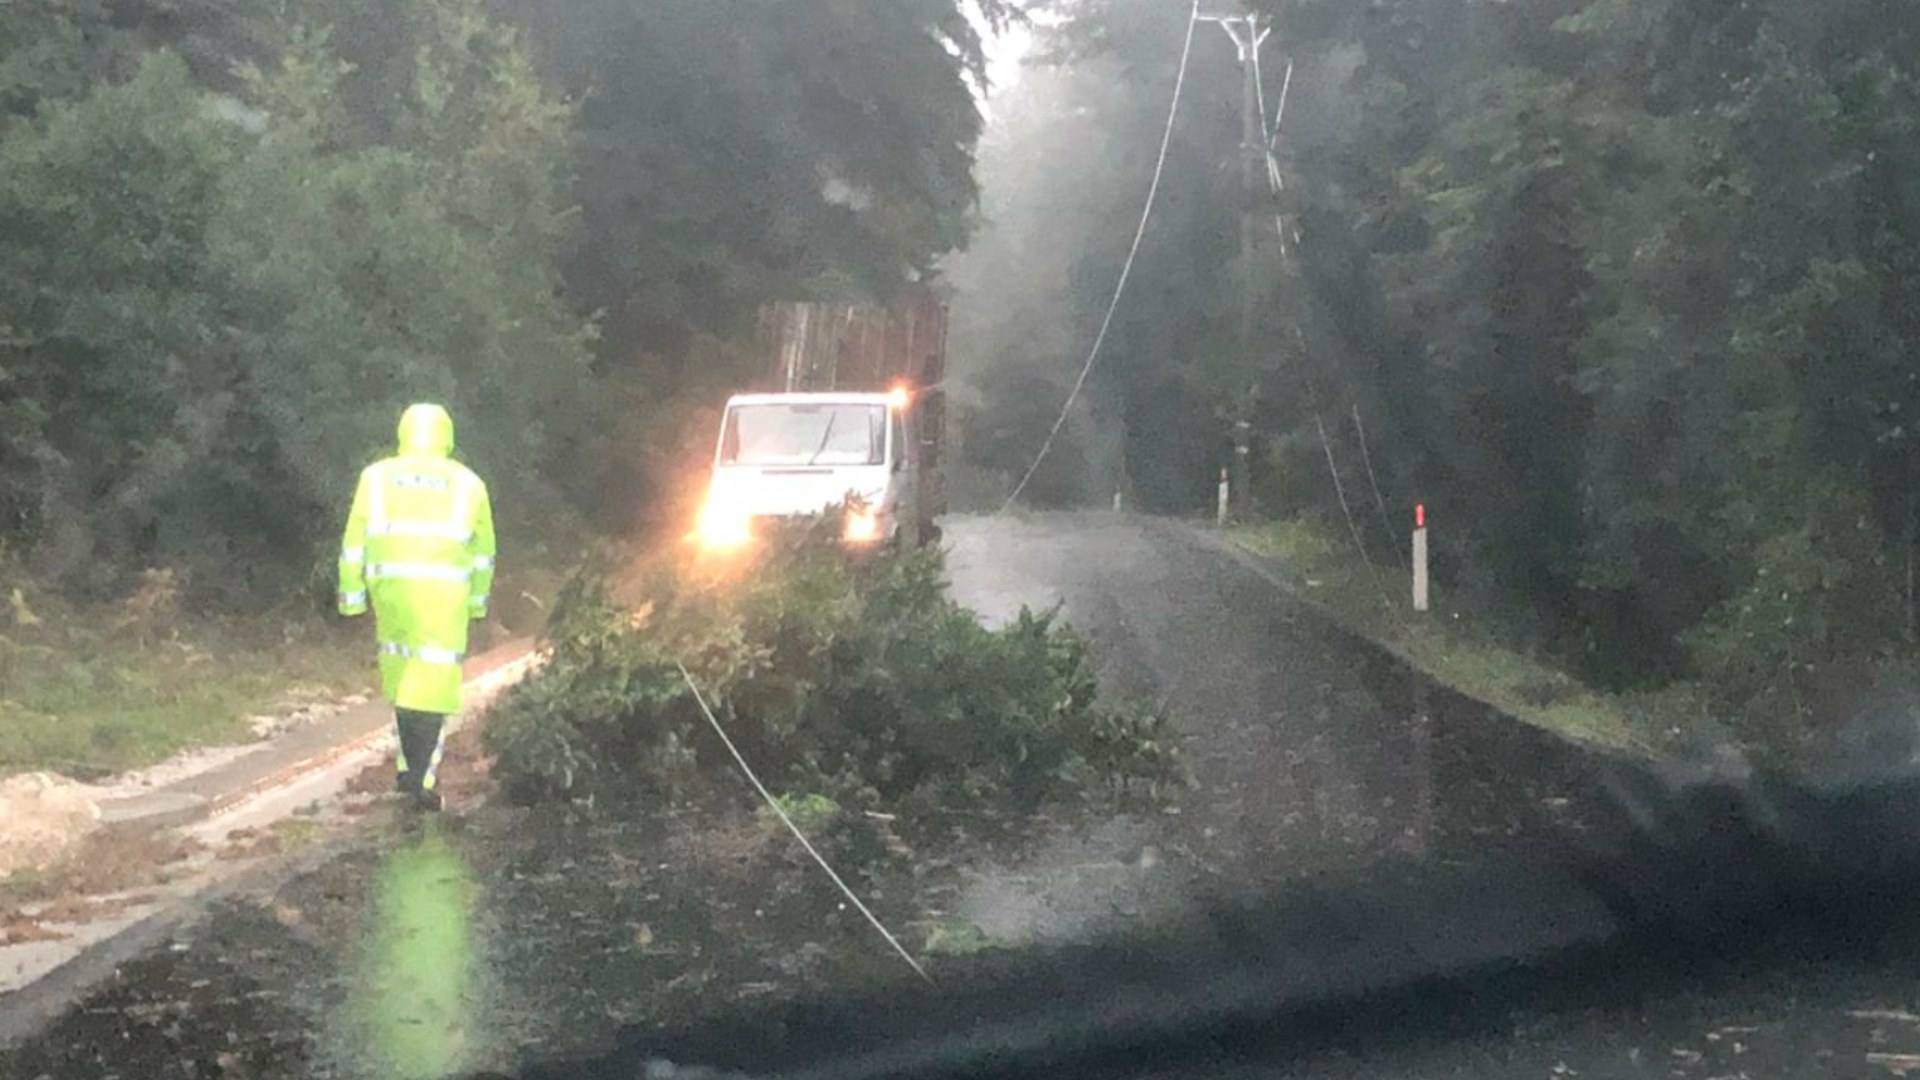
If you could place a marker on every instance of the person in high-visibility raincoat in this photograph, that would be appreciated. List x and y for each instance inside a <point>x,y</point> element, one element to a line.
<point>419,547</point>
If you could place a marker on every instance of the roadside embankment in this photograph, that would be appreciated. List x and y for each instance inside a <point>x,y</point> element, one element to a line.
<point>1457,651</point>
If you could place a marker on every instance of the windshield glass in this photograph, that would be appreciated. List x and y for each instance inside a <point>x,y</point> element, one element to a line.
<point>526,525</point>
<point>801,434</point>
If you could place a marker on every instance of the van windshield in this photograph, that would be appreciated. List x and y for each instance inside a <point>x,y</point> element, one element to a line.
<point>805,434</point>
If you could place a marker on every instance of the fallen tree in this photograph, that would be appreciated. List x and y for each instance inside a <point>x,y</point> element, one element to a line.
<point>856,679</point>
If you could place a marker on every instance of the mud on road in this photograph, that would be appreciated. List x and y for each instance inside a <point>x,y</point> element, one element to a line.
<point>1312,755</point>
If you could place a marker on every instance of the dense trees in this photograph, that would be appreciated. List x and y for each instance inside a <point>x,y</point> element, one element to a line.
<point>215,303</point>
<point>734,150</point>
<point>1650,264</point>
<point>1625,289</point>
<point>236,235</point>
<point>1064,169</point>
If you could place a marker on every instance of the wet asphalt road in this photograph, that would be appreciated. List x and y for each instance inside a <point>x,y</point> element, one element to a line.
<point>1308,752</point>
<point>1304,749</point>
<point>1310,756</point>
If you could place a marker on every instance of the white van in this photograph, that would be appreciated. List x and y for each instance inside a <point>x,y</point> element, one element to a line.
<point>792,455</point>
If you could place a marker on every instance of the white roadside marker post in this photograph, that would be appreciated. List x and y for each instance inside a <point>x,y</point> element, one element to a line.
<point>1422,829</point>
<point>1225,492</point>
<point>1420,597</point>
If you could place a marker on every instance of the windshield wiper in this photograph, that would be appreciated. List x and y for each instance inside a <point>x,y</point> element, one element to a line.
<point>824,436</point>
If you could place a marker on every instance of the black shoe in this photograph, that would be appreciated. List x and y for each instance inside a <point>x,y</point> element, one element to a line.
<point>427,801</point>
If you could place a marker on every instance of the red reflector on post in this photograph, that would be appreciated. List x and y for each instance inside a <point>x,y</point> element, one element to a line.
<point>1419,515</point>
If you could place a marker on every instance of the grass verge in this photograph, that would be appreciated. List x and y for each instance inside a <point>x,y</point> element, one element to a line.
<point>1328,576</point>
<point>102,689</point>
<point>83,699</point>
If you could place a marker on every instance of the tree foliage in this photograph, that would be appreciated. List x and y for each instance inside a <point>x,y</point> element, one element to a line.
<point>734,151</point>
<point>216,305</point>
<point>1064,169</point>
<point>1648,265</point>
<point>1623,289</point>
<point>237,235</point>
<point>860,680</point>
<point>731,152</point>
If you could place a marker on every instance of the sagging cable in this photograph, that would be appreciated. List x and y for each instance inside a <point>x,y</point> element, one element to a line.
<point>754,779</point>
<point>1126,270</point>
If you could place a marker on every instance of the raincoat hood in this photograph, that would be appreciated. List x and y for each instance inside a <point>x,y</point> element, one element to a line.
<point>426,429</point>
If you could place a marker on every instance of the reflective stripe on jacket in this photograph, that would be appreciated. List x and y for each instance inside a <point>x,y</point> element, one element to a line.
<point>419,549</point>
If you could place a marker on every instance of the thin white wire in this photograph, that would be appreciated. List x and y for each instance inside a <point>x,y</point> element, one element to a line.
<point>1270,135</point>
<point>1260,89</point>
<point>1280,113</point>
<point>1273,164</point>
<point>1277,184</point>
<point>1126,270</point>
<point>795,829</point>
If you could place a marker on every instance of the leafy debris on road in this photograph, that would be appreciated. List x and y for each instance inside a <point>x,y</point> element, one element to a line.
<point>855,681</point>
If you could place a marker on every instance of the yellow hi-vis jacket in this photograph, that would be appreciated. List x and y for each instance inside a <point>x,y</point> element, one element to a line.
<point>419,546</point>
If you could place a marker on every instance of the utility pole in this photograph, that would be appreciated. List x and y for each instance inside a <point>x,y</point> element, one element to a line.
<point>1249,33</point>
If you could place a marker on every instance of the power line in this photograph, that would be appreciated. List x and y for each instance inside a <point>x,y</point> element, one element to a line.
<point>1260,98</point>
<point>1275,181</point>
<point>1249,34</point>
<point>1379,499</point>
<point>700,699</point>
<point>1126,270</point>
<point>1276,186</point>
<point>1280,110</point>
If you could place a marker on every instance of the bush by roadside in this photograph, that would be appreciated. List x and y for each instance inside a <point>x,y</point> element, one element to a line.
<point>858,679</point>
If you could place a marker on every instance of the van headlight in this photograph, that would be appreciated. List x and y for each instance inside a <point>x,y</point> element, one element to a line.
<point>862,527</point>
<point>723,526</point>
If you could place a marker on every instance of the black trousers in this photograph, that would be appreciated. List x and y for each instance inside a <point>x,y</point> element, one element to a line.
<point>419,759</point>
